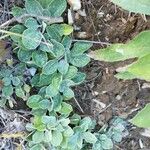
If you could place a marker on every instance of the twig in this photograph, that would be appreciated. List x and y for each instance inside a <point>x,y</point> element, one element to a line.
<point>94,42</point>
<point>2,11</point>
<point>15,135</point>
<point>78,105</point>
<point>22,112</point>
<point>104,108</point>
<point>4,36</point>
<point>49,20</point>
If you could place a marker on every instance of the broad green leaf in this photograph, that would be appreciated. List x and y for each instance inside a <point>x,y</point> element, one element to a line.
<point>45,104</point>
<point>19,69</point>
<point>38,137</point>
<point>106,142</point>
<point>38,124</point>
<point>142,118</point>
<point>7,90</point>
<point>30,127</point>
<point>15,81</point>
<point>66,108</point>
<point>67,29</point>
<point>50,67</point>
<point>42,91</point>
<point>68,132</point>
<point>125,75</point>
<point>6,81</point>
<point>37,147</point>
<point>45,80</point>
<point>80,60</point>
<point>66,42</point>
<point>66,84</point>
<point>138,47</point>
<point>79,48</point>
<point>34,81</point>
<point>80,141</point>
<point>44,3</point>
<point>5,72</point>
<point>74,142</point>
<point>72,71</point>
<point>31,23</point>
<point>26,88</point>
<point>46,47</point>
<point>138,69</point>
<point>51,120</point>
<point>64,122</point>
<point>89,137</point>
<point>56,138</point>
<point>39,58</point>
<point>68,93</point>
<point>20,93</point>
<point>31,39</point>
<point>86,123</point>
<point>63,66</point>
<point>39,112</point>
<point>18,11</point>
<point>97,146</point>
<point>47,136</point>
<point>79,78</point>
<point>56,102</point>
<point>137,6</point>
<point>64,143</point>
<point>33,7</point>
<point>54,32</point>
<point>17,29</point>
<point>56,8</point>
<point>75,119</point>
<point>41,80</point>
<point>24,55</point>
<point>33,101</point>
<point>58,49</point>
<point>53,89</point>
<point>56,81</point>
<point>141,68</point>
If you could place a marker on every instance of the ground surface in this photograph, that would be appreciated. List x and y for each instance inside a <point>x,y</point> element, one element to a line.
<point>103,96</point>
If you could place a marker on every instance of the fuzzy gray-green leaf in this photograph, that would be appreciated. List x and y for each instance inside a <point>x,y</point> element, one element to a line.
<point>33,7</point>
<point>50,67</point>
<point>31,39</point>
<point>39,58</point>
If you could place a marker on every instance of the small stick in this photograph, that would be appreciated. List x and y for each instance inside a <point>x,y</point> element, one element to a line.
<point>15,135</point>
<point>4,36</point>
<point>49,20</point>
<point>79,105</point>
<point>94,42</point>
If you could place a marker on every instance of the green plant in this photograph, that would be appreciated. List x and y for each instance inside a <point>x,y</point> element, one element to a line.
<point>109,135</point>
<point>138,48</point>
<point>12,82</point>
<point>47,68</point>
<point>142,6</point>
